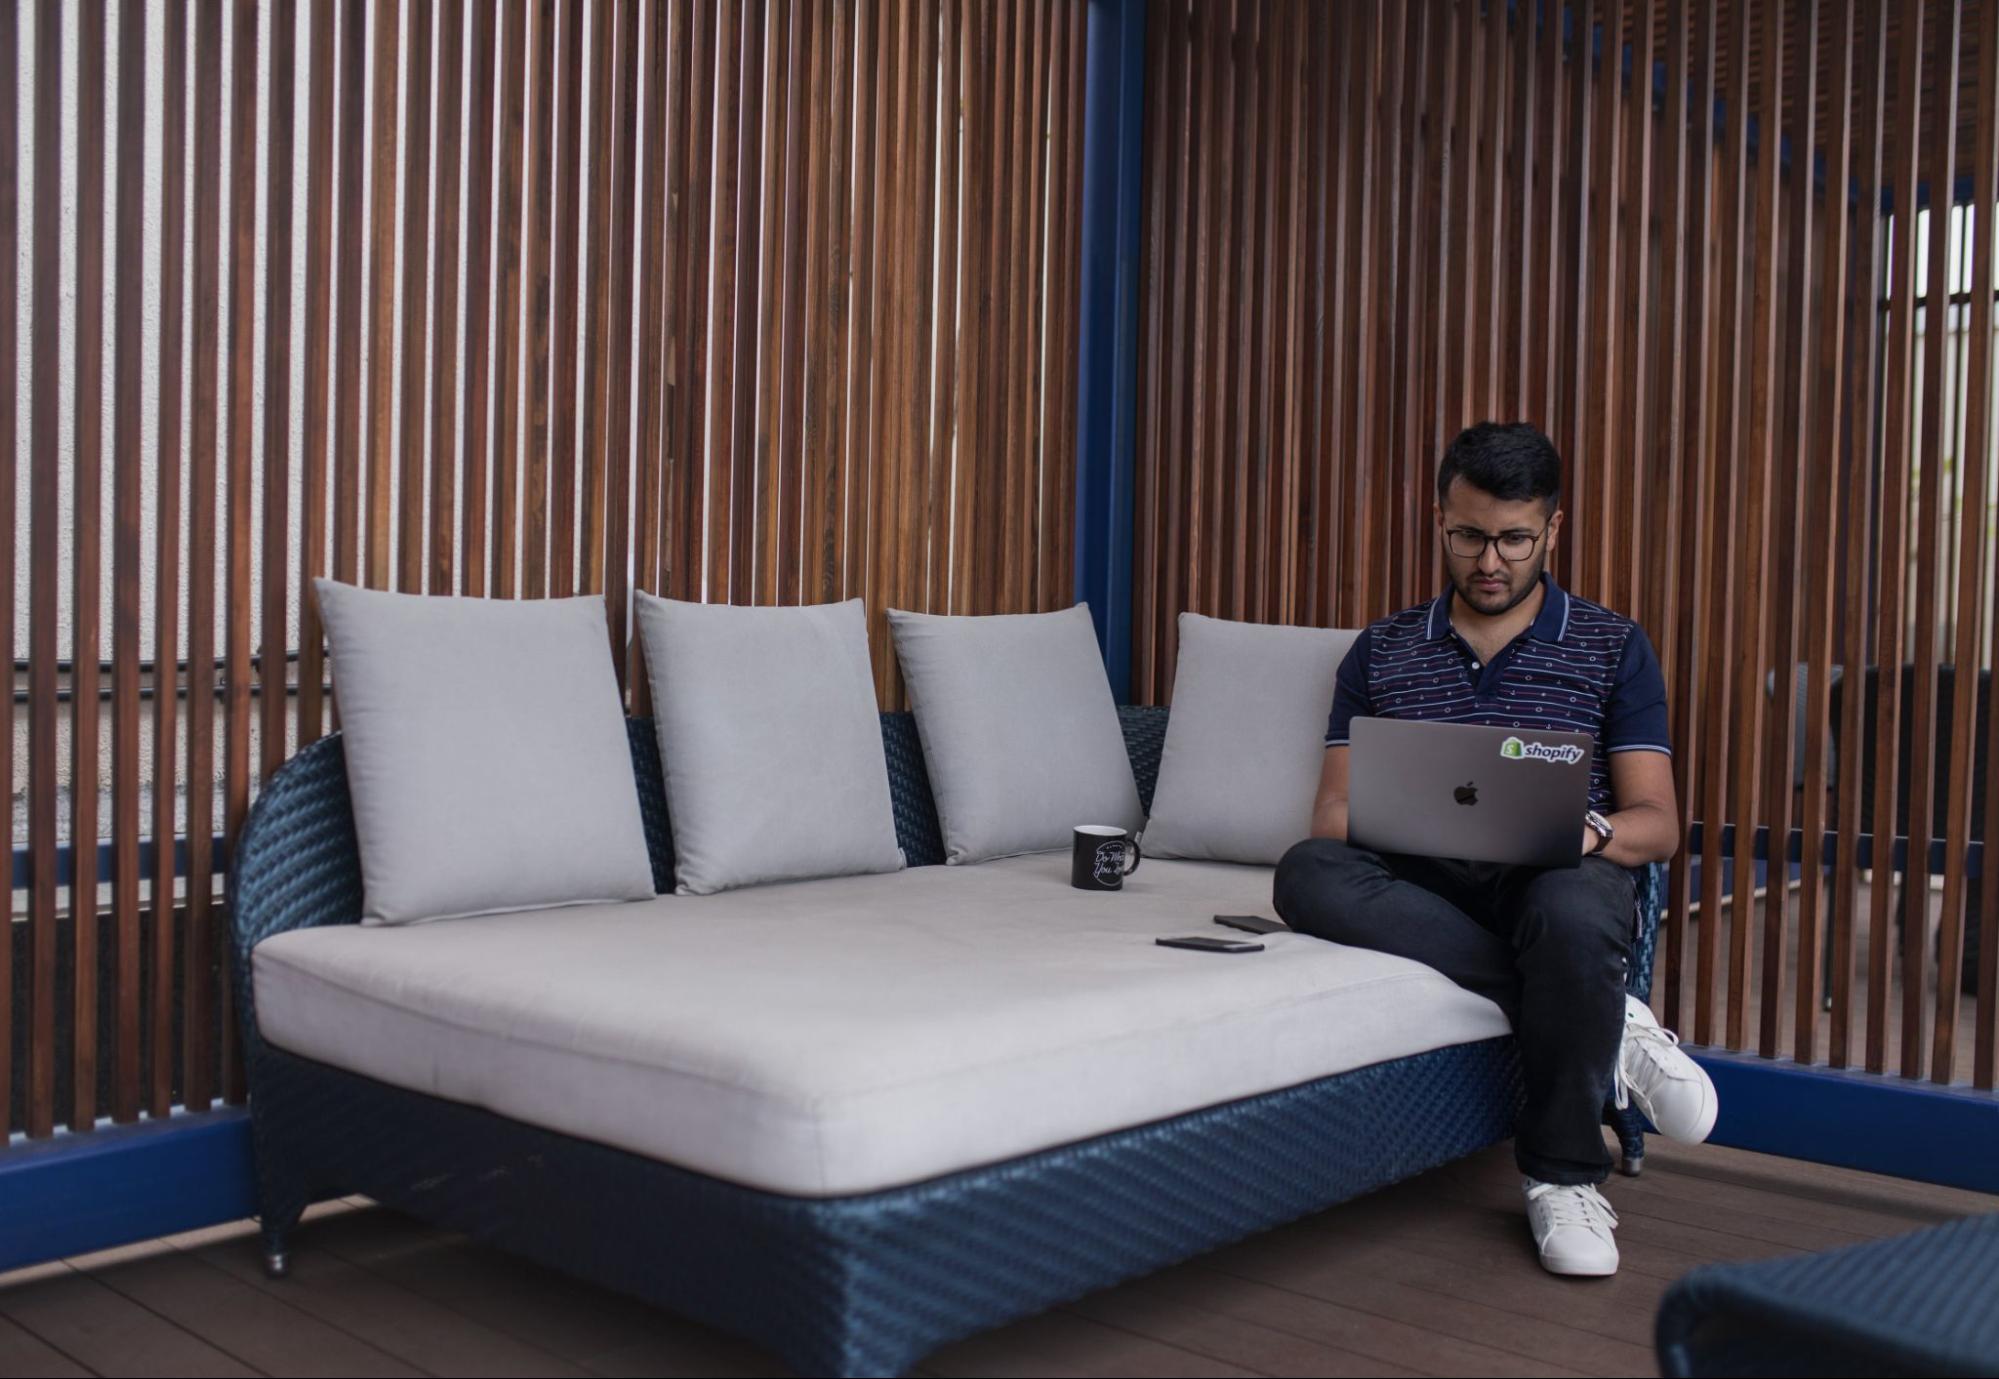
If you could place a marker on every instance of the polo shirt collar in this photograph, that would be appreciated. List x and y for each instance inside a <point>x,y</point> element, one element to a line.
<point>1551,624</point>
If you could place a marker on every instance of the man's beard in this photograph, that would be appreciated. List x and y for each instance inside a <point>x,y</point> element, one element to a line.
<point>1516,594</point>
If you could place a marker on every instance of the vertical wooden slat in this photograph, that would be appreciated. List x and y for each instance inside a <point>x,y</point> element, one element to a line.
<point>1522,221</point>
<point>1361,495</point>
<point>445,355</point>
<point>510,368</point>
<point>1152,410</point>
<point>86,553</point>
<point>763,513</point>
<point>1858,527</point>
<point>1793,456</point>
<point>1904,149</point>
<point>720,451</point>
<point>830,559</point>
<point>665,39</point>
<point>867,190</point>
<point>616,462</point>
<point>1061,516</point>
<point>1439,323</point>
<point>1577,286</point>
<point>1596,470</point>
<point>1752,530</point>
<point>127,554</point>
<point>818,450</point>
<point>741,508</point>
<point>1975,568</point>
<point>1029,246</point>
<point>1941,148</point>
<point>694,311</point>
<point>568,165</point>
<point>274,634</point>
<point>1421,78</point>
<point>1684,238</point>
<point>1492,207</point>
<point>1258,550</point>
<point>242,374</point>
<point>1545,367</point>
<point>1171,577</point>
<point>1726,380</point>
<point>1008,230</point>
<point>8,500</point>
<point>596,401</point>
<point>1296,285</point>
<point>415,394</point>
<point>197,1078</point>
<point>10,129</point>
<point>382,288</point>
<point>1464,81</point>
<point>1629,517</point>
<point>976,312</point>
<point>166,529</point>
<point>1327,517</point>
<point>817,453</point>
<point>802,65</point>
<point>536,362</point>
<point>921,494</point>
<point>350,432</point>
<point>44,572</point>
<point>319,359</point>
<point>1826,491</point>
<point>477,454</point>
<point>943,431</point>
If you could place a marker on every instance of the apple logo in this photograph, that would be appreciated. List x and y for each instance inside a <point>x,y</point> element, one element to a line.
<point>1466,793</point>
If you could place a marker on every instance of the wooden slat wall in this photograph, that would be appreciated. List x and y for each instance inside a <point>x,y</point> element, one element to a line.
<point>768,301</point>
<point>1764,465</point>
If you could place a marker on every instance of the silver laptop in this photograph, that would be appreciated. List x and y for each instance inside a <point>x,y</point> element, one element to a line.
<point>1511,795</point>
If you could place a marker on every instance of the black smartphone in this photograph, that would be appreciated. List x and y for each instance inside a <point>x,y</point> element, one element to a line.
<point>1254,924</point>
<point>1210,943</point>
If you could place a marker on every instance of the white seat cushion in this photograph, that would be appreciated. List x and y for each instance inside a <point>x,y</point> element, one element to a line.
<point>837,1036</point>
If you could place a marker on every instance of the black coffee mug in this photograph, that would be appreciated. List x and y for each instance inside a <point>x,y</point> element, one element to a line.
<point>1104,856</point>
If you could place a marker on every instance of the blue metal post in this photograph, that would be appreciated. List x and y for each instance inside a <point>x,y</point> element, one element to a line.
<point>1107,364</point>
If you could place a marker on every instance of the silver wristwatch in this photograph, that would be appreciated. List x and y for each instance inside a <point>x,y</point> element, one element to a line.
<point>1604,832</point>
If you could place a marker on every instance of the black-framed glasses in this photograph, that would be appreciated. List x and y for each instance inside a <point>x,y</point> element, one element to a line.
<point>1469,543</point>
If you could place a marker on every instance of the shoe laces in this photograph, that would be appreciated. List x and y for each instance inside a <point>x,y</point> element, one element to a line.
<point>1649,1042</point>
<point>1574,1204</point>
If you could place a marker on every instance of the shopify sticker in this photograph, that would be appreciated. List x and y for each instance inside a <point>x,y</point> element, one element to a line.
<point>1513,749</point>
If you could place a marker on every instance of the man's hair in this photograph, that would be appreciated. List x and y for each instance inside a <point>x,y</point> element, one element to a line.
<point>1512,461</point>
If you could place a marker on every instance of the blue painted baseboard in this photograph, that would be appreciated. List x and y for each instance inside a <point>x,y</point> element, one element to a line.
<point>76,1193</point>
<point>1947,1135</point>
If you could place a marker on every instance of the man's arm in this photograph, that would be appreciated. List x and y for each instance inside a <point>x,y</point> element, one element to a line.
<point>1647,820</point>
<point>1329,810</point>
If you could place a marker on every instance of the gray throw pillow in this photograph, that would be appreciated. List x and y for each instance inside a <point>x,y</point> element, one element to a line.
<point>1244,743</point>
<point>1019,730</point>
<point>771,739</point>
<point>487,755</point>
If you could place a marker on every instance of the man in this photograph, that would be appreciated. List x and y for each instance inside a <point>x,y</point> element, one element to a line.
<point>1506,646</point>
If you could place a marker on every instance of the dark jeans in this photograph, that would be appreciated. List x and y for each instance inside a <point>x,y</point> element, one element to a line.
<point>1550,948</point>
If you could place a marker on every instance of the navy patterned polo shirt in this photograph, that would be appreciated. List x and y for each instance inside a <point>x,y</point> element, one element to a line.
<point>1579,669</point>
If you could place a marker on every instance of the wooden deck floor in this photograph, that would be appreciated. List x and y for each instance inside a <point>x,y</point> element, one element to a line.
<point>1434,1276</point>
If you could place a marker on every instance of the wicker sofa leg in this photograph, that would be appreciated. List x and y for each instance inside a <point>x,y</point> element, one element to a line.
<point>1630,1126</point>
<point>282,1197</point>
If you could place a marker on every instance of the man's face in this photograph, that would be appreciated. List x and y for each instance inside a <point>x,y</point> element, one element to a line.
<point>1490,583</point>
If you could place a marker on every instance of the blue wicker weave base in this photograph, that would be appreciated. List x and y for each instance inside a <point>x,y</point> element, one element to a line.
<point>871,1284</point>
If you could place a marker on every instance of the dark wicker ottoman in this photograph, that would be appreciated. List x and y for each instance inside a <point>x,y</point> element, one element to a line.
<point>866,1284</point>
<point>1926,1303</point>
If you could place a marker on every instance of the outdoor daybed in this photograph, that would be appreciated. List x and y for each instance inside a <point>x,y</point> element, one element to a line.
<point>850,1119</point>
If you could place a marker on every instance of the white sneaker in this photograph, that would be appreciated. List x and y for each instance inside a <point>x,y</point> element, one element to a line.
<point>1572,1228</point>
<point>1669,1087</point>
